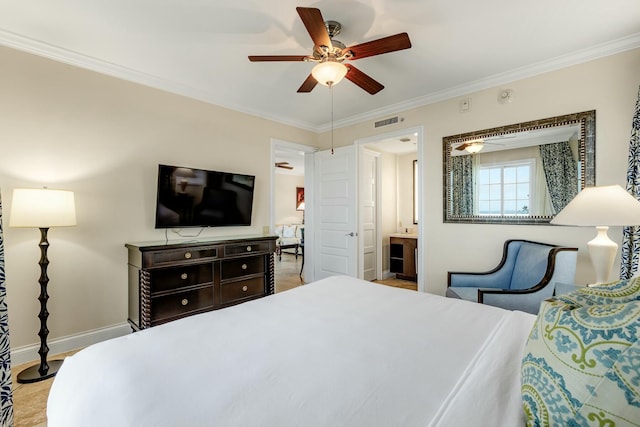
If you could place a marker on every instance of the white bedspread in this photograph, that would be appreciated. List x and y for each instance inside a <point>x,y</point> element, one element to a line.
<point>337,352</point>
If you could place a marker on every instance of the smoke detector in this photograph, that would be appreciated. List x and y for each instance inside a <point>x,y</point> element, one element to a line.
<point>505,96</point>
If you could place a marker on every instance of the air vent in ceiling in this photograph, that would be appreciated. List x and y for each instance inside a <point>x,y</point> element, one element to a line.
<point>387,122</point>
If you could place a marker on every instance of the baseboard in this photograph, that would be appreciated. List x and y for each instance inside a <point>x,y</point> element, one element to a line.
<point>29,353</point>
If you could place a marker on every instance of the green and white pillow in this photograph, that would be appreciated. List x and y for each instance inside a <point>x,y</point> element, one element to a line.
<point>581,365</point>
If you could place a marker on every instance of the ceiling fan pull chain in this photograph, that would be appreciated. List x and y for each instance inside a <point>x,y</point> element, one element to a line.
<point>331,91</point>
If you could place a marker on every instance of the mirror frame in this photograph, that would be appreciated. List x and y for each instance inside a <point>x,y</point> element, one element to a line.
<point>586,150</point>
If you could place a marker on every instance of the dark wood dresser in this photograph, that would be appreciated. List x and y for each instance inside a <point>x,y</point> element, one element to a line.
<point>168,281</point>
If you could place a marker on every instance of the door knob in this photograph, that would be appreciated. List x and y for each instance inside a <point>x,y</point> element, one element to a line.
<point>352,234</point>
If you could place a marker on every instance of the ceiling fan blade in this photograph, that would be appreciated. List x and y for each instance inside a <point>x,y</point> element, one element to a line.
<point>379,46</point>
<point>461,147</point>
<point>363,80</point>
<point>308,84</point>
<point>264,58</point>
<point>283,165</point>
<point>313,21</point>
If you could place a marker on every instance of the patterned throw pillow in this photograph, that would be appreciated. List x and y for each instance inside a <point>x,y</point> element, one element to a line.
<point>581,365</point>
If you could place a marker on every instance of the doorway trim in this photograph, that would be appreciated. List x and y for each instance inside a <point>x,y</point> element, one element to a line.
<point>419,131</point>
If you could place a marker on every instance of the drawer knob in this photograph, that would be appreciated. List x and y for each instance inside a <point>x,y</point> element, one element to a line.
<point>248,248</point>
<point>187,255</point>
<point>245,288</point>
<point>244,266</point>
<point>185,301</point>
<point>184,276</point>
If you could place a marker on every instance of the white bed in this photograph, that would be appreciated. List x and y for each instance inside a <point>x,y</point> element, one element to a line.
<point>337,352</point>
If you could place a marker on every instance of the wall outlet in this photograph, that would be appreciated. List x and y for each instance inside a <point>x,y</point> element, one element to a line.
<point>265,230</point>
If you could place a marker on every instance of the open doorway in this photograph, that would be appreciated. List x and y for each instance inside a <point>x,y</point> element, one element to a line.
<point>399,178</point>
<point>288,211</point>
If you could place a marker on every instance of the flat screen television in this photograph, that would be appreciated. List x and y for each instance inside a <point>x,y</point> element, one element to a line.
<point>189,197</point>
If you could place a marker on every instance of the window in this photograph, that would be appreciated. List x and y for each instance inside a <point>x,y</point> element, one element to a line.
<point>505,189</point>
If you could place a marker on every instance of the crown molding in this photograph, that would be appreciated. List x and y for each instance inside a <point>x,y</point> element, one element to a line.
<point>575,58</point>
<point>55,53</point>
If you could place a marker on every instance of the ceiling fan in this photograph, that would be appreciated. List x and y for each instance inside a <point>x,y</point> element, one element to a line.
<point>283,165</point>
<point>476,145</point>
<point>330,54</point>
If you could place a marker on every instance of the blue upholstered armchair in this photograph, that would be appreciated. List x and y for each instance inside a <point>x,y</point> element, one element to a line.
<point>524,278</point>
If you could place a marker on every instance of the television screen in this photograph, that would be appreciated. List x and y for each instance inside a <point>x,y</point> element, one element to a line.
<point>190,197</point>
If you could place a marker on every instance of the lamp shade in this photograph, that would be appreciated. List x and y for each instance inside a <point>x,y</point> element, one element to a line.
<point>42,208</point>
<point>329,73</point>
<point>608,205</point>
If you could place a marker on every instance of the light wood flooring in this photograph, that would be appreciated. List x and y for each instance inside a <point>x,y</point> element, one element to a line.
<point>30,400</point>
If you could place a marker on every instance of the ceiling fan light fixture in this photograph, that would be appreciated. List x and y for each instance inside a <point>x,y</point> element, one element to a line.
<point>474,147</point>
<point>329,73</point>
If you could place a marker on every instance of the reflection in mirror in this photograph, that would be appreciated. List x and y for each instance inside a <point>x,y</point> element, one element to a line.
<point>518,174</point>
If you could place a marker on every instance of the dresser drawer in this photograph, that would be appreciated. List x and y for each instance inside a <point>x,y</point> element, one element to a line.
<point>238,291</point>
<point>166,279</point>
<point>230,269</point>
<point>247,248</point>
<point>155,258</point>
<point>181,303</point>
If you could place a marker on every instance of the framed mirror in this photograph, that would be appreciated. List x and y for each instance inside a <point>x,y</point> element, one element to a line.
<point>518,174</point>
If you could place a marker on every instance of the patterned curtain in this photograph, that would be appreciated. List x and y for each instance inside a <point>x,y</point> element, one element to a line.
<point>561,172</point>
<point>631,235</point>
<point>462,180</point>
<point>6,397</point>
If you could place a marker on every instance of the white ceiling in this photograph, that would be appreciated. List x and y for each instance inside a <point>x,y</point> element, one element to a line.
<point>199,48</point>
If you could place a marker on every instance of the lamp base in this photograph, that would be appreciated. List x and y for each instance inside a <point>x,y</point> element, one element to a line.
<point>32,373</point>
<point>603,252</point>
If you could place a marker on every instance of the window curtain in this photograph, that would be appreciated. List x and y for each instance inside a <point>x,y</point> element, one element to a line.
<point>462,181</point>
<point>631,235</point>
<point>561,172</point>
<point>6,396</point>
<point>541,202</point>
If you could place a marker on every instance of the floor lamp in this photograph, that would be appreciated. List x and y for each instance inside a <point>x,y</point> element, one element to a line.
<point>42,208</point>
<point>601,207</point>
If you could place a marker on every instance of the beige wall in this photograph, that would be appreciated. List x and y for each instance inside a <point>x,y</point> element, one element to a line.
<point>285,199</point>
<point>103,138</point>
<point>608,85</point>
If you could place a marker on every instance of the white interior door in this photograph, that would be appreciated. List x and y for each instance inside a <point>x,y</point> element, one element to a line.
<point>367,191</point>
<point>335,224</point>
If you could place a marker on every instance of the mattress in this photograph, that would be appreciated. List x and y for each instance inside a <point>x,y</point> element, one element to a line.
<point>337,352</point>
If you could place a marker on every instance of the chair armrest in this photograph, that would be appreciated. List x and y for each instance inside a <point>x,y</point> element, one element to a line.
<point>527,300</point>
<point>495,279</point>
